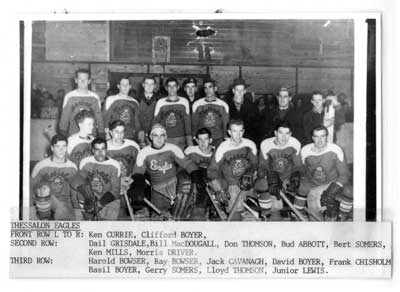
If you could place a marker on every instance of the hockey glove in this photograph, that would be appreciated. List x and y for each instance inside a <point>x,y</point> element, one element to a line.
<point>328,199</point>
<point>246,182</point>
<point>294,182</point>
<point>274,184</point>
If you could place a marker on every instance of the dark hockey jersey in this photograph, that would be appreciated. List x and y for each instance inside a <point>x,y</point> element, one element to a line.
<point>74,102</point>
<point>174,116</point>
<point>230,162</point>
<point>161,164</point>
<point>103,176</point>
<point>213,115</point>
<point>58,176</point>
<point>125,154</point>
<point>282,159</point>
<point>326,166</point>
<point>122,108</point>
<point>78,148</point>
<point>199,158</point>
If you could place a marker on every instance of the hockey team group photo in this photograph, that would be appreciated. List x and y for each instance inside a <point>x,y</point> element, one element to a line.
<point>192,120</point>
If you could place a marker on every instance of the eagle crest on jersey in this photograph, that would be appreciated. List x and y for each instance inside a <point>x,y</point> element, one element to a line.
<point>170,121</point>
<point>98,179</point>
<point>210,120</point>
<point>238,168</point>
<point>80,106</point>
<point>56,180</point>
<point>124,160</point>
<point>125,116</point>
<point>319,175</point>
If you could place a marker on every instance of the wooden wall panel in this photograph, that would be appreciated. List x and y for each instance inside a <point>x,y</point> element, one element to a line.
<point>224,75</point>
<point>269,79</point>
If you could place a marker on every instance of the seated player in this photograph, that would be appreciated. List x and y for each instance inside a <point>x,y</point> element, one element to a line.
<point>201,155</point>
<point>79,143</point>
<point>160,161</point>
<point>232,169</point>
<point>50,187</point>
<point>279,168</point>
<point>100,183</point>
<point>325,184</point>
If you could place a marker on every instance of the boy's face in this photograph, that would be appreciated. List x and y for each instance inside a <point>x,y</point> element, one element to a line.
<point>209,89</point>
<point>236,132</point>
<point>238,93</point>
<point>284,99</point>
<point>87,126</point>
<point>172,88</point>
<point>203,141</point>
<point>158,139</point>
<point>148,86</point>
<point>282,135</point>
<point>320,139</point>
<point>82,80</point>
<point>190,89</point>
<point>99,152</point>
<point>118,134</point>
<point>59,149</point>
<point>317,101</point>
<point>124,86</point>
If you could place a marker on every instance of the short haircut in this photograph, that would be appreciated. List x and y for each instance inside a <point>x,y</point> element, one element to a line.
<point>319,128</point>
<point>149,78</point>
<point>115,124</point>
<point>57,138</point>
<point>85,71</point>
<point>82,115</point>
<point>98,140</point>
<point>124,77</point>
<point>203,131</point>
<point>171,79</point>
<point>317,92</point>
<point>329,93</point>
<point>285,89</point>
<point>283,124</point>
<point>235,122</point>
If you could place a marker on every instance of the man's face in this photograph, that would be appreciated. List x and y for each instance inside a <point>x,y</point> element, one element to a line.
<point>203,141</point>
<point>282,135</point>
<point>284,99</point>
<point>236,132</point>
<point>59,149</point>
<point>320,139</point>
<point>148,86</point>
<point>318,101</point>
<point>99,152</point>
<point>158,139</point>
<point>190,89</point>
<point>172,88</point>
<point>82,80</point>
<point>124,86</point>
<point>118,134</point>
<point>238,93</point>
<point>87,126</point>
<point>209,89</point>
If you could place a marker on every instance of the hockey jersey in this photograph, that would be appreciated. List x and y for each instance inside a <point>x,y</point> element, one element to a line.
<point>103,176</point>
<point>230,162</point>
<point>213,115</point>
<point>326,166</point>
<point>282,159</point>
<point>57,175</point>
<point>125,154</point>
<point>74,102</point>
<point>78,148</point>
<point>161,164</point>
<point>174,116</point>
<point>122,108</point>
<point>199,158</point>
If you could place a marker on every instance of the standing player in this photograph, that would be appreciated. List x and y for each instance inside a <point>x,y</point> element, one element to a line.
<point>190,88</point>
<point>124,108</point>
<point>80,99</point>
<point>325,185</point>
<point>50,188</point>
<point>234,164</point>
<point>280,165</point>
<point>211,112</point>
<point>173,112</point>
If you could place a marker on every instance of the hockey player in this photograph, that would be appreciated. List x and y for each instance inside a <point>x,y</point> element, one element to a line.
<point>79,143</point>
<point>80,99</point>
<point>325,185</point>
<point>211,112</point>
<point>160,161</point>
<point>232,168</point>
<point>173,112</point>
<point>279,168</point>
<point>50,188</point>
<point>103,174</point>
<point>125,108</point>
<point>190,88</point>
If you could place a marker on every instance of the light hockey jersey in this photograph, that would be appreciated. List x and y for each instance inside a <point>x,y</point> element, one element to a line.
<point>161,164</point>
<point>74,102</point>
<point>103,176</point>
<point>282,159</point>
<point>199,158</point>
<point>174,116</point>
<point>78,148</point>
<point>326,166</point>
<point>230,162</point>
<point>125,154</point>
<point>213,115</point>
<point>126,109</point>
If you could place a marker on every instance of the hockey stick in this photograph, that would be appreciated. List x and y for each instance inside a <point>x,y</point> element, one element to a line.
<point>308,210</point>
<point>130,210</point>
<point>234,206</point>
<point>151,205</point>
<point>298,214</point>
<point>220,213</point>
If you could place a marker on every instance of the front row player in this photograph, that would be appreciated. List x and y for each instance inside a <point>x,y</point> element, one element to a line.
<point>325,185</point>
